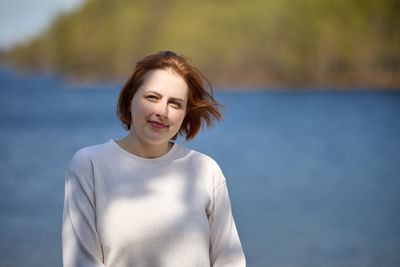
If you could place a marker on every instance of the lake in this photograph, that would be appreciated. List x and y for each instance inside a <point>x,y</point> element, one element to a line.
<point>314,177</point>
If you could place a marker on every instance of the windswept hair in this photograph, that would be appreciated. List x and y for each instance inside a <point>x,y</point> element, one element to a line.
<point>201,105</point>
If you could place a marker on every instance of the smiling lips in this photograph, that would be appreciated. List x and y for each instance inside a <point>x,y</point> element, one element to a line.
<point>157,124</point>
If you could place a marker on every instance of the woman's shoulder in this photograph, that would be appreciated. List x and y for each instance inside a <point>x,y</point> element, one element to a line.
<point>92,150</point>
<point>197,156</point>
<point>202,161</point>
<point>82,159</point>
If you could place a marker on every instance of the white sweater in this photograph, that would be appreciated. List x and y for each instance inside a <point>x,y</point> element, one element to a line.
<point>123,210</point>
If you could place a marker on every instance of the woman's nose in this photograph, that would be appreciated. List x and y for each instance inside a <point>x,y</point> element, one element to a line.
<point>162,109</point>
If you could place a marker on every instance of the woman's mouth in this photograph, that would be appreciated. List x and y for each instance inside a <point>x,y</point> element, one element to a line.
<point>157,124</point>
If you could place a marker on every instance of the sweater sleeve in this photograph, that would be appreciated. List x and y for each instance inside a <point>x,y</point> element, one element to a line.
<point>80,242</point>
<point>225,246</point>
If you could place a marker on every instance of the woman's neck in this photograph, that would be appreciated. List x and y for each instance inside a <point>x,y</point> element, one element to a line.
<point>143,149</point>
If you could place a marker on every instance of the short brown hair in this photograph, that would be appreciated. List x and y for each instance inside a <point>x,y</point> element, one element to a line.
<point>201,105</point>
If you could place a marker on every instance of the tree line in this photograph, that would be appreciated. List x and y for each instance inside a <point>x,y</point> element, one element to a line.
<point>234,42</point>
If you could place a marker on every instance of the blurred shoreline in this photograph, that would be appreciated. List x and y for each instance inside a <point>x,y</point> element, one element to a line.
<point>76,83</point>
<point>264,44</point>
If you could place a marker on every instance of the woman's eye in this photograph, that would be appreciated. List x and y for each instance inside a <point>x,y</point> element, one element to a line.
<point>152,97</point>
<point>176,104</point>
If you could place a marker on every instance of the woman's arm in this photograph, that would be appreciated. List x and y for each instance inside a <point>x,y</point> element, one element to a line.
<point>80,242</point>
<point>225,247</point>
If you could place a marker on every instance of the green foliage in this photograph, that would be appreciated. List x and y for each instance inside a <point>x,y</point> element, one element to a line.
<point>285,42</point>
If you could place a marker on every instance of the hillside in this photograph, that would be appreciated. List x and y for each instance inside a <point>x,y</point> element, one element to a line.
<point>255,42</point>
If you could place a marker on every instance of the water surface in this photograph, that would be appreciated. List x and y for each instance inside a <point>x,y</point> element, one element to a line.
<point>314,177</point>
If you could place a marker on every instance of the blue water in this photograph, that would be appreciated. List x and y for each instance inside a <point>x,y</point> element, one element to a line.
<point>314,177</point>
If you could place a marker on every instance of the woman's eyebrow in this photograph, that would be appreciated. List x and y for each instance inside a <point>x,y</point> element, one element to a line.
<point>153,92</point>
<point>177,99</point>
<point>160,95</point>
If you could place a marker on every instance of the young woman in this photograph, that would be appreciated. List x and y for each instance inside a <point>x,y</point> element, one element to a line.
<point>144,200</point>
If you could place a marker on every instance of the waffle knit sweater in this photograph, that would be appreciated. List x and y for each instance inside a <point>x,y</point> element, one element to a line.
<point>123,210</point>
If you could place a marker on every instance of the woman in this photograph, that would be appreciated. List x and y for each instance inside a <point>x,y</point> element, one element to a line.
<point>144,200</point>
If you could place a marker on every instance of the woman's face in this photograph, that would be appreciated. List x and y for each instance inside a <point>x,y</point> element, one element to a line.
<point>159,107</point>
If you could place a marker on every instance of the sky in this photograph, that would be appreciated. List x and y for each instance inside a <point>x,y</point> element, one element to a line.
<point>23,19</point>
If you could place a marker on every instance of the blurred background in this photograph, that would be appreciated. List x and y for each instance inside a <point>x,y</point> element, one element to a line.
<point>310,143</point>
